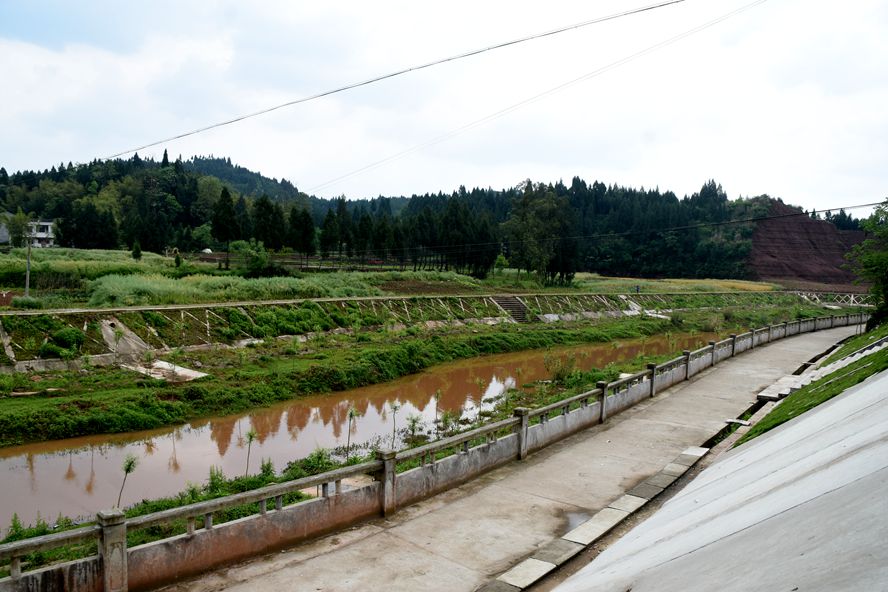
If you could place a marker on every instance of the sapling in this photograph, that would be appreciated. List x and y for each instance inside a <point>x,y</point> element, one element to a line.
<point>251,435</point>
<point>353,414</point>
<point>394,407</point>
<point>129,465</point>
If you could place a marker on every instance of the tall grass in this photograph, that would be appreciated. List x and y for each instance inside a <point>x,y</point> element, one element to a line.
<point>126,290</point>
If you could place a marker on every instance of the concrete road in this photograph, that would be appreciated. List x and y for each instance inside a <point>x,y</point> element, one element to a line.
<point>462,538</point>
<point>803,508</point>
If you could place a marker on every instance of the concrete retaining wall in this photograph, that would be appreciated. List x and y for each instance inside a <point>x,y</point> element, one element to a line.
<point>700,363</point>
<point>626,398</point>
<point>668,378</point>
<point>722,350</point>
<point>84,575</point>
<point>744,343</point>
<point>165,561</point>
<point>555,428</point>
<point>422,482</point>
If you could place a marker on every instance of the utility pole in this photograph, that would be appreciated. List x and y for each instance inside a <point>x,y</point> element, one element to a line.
<point>28,263</point>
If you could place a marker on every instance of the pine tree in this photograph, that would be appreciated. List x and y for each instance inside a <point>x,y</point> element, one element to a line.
<point>225,228</point>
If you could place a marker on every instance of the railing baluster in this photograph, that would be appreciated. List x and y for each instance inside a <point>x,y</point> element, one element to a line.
<point>278,502</point>
<point>15,568</point>
<point>208,521</point>
<point>263,507</point>
<point>190,527</point>
<point>338,486</point>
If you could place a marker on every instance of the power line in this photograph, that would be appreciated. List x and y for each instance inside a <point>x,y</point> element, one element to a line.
<point>382,77</point>
<point>535,98</point>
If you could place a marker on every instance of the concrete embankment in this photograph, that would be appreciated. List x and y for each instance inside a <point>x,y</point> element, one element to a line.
<point>463,538</point>
<point>802,507</point>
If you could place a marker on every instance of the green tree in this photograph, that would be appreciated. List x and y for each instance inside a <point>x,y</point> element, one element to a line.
<point>329,234</point>
<point>224,223</point>
<point>244,220</point>
<point>301,232</point>
<point>869,260</point>
<point>269,223</point>
<point>17,225</point>
<point>137,250</point>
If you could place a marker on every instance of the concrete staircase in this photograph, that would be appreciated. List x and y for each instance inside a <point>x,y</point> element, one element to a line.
<point>513,305</point>
<point>790,384</point>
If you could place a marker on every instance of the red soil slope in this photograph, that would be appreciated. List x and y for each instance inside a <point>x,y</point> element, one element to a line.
<point>800,252</point>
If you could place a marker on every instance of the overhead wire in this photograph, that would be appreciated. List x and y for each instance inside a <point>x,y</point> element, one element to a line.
<point>401,72</point>
<point>537,97</point>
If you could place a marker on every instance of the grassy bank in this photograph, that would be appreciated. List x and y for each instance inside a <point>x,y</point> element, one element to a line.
<point>857,342</point>
<point>818,392</point>
<point>113,400</point>
<point>108,400</point>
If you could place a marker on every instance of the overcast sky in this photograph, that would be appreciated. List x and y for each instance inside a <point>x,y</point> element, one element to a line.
<point>789,98</point>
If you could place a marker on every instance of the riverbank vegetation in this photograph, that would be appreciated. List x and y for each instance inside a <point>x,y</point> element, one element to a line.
<point>109,400</point>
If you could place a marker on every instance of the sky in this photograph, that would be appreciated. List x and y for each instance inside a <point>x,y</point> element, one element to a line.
<point>786,98</point>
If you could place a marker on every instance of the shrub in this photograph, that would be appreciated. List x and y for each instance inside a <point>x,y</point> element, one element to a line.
<point>26,302</point>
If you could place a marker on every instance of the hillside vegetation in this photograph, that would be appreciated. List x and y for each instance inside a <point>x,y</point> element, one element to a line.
<point>552,230</point>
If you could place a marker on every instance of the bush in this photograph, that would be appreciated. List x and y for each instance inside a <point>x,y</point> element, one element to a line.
<point>26,302</point>
<point>69,338</point>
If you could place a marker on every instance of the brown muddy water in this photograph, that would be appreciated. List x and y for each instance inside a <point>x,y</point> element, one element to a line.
<point>78,476</point>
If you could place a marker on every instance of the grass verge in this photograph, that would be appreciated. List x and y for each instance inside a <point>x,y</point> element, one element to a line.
<point>818,392</point>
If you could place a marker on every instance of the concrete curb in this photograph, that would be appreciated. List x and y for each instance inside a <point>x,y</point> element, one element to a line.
<point>561,550</point>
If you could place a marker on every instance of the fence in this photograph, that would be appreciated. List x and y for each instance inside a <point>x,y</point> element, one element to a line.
<point>400,478</point>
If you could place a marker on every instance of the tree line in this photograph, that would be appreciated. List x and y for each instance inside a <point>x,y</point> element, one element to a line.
<point>552,230</point>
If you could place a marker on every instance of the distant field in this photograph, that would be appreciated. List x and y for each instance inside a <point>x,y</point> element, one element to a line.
<point>74,277</point>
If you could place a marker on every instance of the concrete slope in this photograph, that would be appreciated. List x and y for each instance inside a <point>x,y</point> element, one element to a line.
<point>459,540</point>
<point>803,507</point>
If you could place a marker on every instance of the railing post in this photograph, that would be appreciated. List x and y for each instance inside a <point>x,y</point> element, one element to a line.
<point>770,334</point>
<point>15,568</point>
<point>687,355</point>
<point>387,481</point>
<point>712,345</point>
<point>521,430</point>
<point>112,549</point>
<point>603,399</point>
<point>733,344</point>
<point>653,368</point>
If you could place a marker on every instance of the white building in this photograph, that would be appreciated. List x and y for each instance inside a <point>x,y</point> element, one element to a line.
<point>40,233</point>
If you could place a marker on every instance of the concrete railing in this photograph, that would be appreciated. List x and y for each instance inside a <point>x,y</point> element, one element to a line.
<point>440,465</point>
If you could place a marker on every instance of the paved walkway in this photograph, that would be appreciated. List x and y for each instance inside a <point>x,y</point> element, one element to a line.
<point>459,540</point>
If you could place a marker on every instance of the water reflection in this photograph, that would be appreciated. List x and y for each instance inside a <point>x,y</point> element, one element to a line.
<point>90,467</point>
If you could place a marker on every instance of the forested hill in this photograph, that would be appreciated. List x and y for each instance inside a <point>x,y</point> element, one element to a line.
<point>245,181</point>
<point>253,184</point>
<point>552,229</point>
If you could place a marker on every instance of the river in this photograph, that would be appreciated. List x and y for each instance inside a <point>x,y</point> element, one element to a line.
<point>78,476</point>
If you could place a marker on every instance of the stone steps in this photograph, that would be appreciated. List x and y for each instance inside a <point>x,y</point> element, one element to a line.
<point>513,306</point>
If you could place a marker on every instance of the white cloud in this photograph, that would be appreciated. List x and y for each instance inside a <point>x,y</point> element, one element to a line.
<point>786,98</point>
